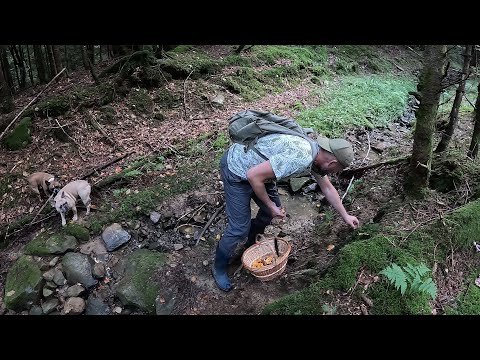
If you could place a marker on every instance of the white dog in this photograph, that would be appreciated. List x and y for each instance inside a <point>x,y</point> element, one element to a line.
<point>67,198</point>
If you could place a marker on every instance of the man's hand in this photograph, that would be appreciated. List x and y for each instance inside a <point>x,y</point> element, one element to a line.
<point>352,221</point>
<point>277,213</point>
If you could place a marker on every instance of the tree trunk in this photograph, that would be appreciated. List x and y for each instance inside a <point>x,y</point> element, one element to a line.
<point>24,63</point>
<point>91,53</point>
<point>6,99</point>
<point>100,53</point>
<point>85,57</point>
<point>473,150</point>
<point>40,63</point>
<point>57,57</point>
<point>30,69</point>
<point>453,118</point>
<point>431,78</point>
<point>6,67</point>
<point>15,66</point>
<point>19,66</point>
<point>51,61</point>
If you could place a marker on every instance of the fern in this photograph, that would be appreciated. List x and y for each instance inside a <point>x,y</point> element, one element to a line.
<point>396,276</point>
<point>411,275</point>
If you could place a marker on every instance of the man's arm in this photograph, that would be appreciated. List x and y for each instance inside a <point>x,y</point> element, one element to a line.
<point>257,176</point>
<point>331,194</point>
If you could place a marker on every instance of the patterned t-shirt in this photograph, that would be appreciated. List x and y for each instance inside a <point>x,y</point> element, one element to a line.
<point>289,155</point>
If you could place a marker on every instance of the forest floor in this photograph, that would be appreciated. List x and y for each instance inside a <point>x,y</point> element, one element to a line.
<point>314,247</point>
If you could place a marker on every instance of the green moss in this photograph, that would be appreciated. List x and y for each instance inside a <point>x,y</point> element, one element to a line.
<point>96,95</point>
<point>137,288</point>
<point>47,243</point>
<point>20,136</point>
<point>53,106</point>
<point>246,82</point>
<point>298,55</point>
<point>388,301</point>
<point>237,60</point>
<point>469,300</point>
<point>465,224</point>
<point>78,231</point>
<point>165,99</point>
<point>194,63</point>
<point>23,284</point>
<point>140,101</point>
<point>108,114</point>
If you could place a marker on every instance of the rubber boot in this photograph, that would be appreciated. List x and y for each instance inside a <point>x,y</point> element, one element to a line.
<point>219,270</point>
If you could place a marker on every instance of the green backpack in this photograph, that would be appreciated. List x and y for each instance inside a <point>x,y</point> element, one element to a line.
<point>246,127</point>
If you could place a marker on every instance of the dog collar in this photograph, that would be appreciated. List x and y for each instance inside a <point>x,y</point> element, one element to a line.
<point>51,179</point>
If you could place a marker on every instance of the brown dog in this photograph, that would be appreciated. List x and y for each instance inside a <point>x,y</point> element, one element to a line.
<point>45,181</point>
<point>68,195</point>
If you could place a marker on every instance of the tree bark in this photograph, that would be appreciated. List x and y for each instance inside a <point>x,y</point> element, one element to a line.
<point>40,63</point>
<point>6,66</point>
<point>51,61</point>
<point>6,99</point>
<point>57,57</point>
<point>91,53</point>
<point>473,150</point>
<point>19,66</point>
<point>431,78</point>
<point>85,57</point>
<point>30,69</point>
<point>453,118</point>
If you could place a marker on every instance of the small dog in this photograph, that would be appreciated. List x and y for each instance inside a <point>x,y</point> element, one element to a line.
<point>44,180</point>
<point>68,195</point>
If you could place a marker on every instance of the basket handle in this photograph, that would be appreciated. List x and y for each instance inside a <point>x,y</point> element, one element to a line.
<point>259,238</point>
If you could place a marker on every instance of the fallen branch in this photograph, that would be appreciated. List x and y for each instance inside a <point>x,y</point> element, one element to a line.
<point>97,126</point>
<point>39,211</point>
<point>394,161</point>
<point>199,236</point>
<point>101,167</point>
<point>30,103</point>
<point>348,188</point>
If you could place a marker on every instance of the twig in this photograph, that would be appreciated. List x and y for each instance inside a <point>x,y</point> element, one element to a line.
<point>369,148</point>
<point>77,144</point>
<point>199,236</point>
<point>30,103</point>
<point>105,165</point>
<point>348,188</point>
<point>465,96</point>
<point>416,53</point>
<point>39,211</point>
<point>97,126</point>
<point>189,212</point>
<point>185,95</point>
<point>372,166</point>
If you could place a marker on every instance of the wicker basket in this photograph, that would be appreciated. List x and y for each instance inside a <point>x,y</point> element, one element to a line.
<point>266,247</point>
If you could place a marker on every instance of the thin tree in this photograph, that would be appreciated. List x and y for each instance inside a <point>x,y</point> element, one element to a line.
<point>84,57</point>
<point>57,57</point>
<point>453,117</point>
<point>51,61</point>
<point>430,87</point>
<point>30,69</point>
<point>6,99</point>
<point>40,63</point>
<point>6,67</point>
<point>473,150</point>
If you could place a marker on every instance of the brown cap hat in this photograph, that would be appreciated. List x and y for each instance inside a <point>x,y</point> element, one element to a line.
<point>340,148</point>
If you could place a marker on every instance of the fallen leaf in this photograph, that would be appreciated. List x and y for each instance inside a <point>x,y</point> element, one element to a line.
<point>11,292</point>
<point>330,247</point>
<point>118,169</point>
<point>477,281</point>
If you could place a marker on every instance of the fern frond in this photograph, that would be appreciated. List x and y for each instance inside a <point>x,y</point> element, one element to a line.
<point>429,287</point>
<point>422,269</point>
<point>396,276</point>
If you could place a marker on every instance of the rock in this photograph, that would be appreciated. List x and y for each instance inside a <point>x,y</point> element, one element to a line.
<point>297,183</point>
<point>54,261</point>
<point>155,217</point>
<point>114,236</point>
<point>177,247</point>
<point>117,310</point>
<point>49,305</point>
<point>98,270</point>
<point>218,101</point>
<point>205,263</point>
<point>46,292</point>
<point>78,269</point>
<point>96,247</point>
<point>35,310</point>
<point>58,278</point>
<point>75,290</point>
<point>96,306</point>
<point>45,244</point>
<point>74,306</point>
<point>165,302</point>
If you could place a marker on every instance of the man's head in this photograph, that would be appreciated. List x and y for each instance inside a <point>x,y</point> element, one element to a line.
<point>339,154</point>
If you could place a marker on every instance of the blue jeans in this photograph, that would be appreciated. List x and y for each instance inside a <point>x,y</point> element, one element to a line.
<point>238,194</point>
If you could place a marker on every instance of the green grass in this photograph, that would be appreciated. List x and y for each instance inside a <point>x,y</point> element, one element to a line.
<point>447,97</point>
<point>364,101</point>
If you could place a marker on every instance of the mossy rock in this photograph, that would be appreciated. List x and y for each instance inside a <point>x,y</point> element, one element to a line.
<point>48,244</point>
<point>20,136</point>
<point>23,284</point>
<point>78,231</point>
<point>97,95</point>
<point>137,288</point>
<point>193,63</point>
<point>140,101</point>
<point>165,99</point>
<point>108,114</point>
<point>53,106</point>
